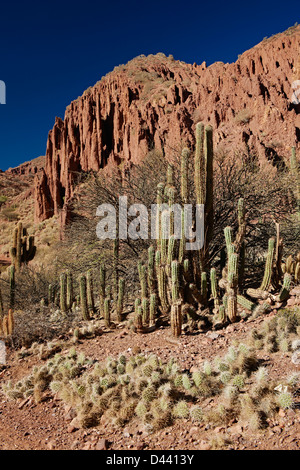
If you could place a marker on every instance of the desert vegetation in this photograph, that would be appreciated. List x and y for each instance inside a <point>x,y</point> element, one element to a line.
<point>247,267</point>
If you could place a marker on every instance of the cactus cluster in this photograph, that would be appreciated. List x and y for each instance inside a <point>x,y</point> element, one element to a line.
<point>292,266</point>
<point>23,248</point>
<point>7,324</point>
<point>173,278</point>
<point>156,393</point>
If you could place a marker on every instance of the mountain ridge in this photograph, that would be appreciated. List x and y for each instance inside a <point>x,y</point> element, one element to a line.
<point>155,101</point>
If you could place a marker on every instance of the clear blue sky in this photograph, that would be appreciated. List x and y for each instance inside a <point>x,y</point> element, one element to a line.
<point>51,51</point>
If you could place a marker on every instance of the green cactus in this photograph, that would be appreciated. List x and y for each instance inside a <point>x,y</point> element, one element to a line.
<point>199,165</point>
<point>106,307</point>
<point>152,309</point>
<point>23,249</point>
<point>70,294</point>
<point>145,311</point>
<point>184,175</point>
<point>175,281</point>
<point>143,279</point>
<point>204,287</point>
<point>138,318</point>
<point>83,298</point>
<point>102,287</point>
<point>90,293</point>
<point>120,302</point>
<point>294,168</point>
<point>244,302</point>
<point>285,290</point>
<point>151,271</point>
<point>285,400</point>
<point>162,283</point>
<point>176,319</point>
<point>115,272</point>
<point>268,266</point>
<point>232,283</point>
<point>63,293</point>
<point>12,286</point>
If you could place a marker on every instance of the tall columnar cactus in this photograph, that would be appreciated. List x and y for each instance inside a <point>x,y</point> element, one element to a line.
<point>175,281</point>
<point>83,298</point>
<point>7,324</point>
<point>107,308</point>
<point>115,272</point>
<point>184,187</point>
<point>12,287</point>
<point>170,178</point>
<point>232,283</point>
<point>63,293</point>
<point>214,289</point>
<point>152,309</point>
<point>120,302</point>
<point>294,166</point>
<point>268,266</point>
<point>176,319</point>
<point>90,292</point>
<point>70,293</point>
<point>203,178</point>
<point>240,240</point>
<point>159,203</point>
<point>152,287</point>
<point>51,293</point>
<point>138,319</point>
<point>102,287</point>
<point>23,249</point>
<point>161,283</point>
<point>143,279</point>
<point>146,311</point>
<point>199,165</point>
<point>204,287</point>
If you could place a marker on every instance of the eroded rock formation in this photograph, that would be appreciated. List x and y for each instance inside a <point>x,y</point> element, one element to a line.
<point>156,101</point>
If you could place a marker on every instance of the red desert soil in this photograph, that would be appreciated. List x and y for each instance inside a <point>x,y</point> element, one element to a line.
<point>46,426</point>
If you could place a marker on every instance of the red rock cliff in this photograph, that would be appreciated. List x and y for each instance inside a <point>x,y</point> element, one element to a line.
<point>156,101</point>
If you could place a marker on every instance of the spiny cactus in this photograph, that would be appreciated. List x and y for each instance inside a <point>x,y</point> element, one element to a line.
<point>185,154</point>
<point>268,266</point>
<point>90,293</point>
<point>23,249</point>
<point>115,272</point>
<point>63,293</point>
<point>295,171</point>
<point>176,319</point>
<point>232,283</point>
<point>244,302</point>
<point>285,290</point>
<point>70,293</point>
<point>120,302</point>
<point>292,266</point>
<point>7,324</point>
<point>12,287</point>
<point>107,309</point>
<point>102,288</point>
<point>285,400</point>
<point>83,298</point>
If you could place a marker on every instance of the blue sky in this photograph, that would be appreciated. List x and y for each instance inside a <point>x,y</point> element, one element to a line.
<point>51,51</point>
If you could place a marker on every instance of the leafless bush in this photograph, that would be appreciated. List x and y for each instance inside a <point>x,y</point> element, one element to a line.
<point>266,192</point>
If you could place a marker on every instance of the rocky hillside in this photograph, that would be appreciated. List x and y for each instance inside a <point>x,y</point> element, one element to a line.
<point>155,101</point>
